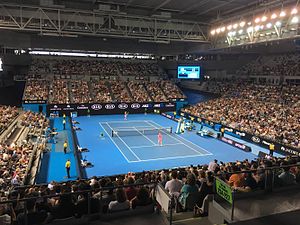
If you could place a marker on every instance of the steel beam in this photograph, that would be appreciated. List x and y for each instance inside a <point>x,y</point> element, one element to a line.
<point>62,22</point>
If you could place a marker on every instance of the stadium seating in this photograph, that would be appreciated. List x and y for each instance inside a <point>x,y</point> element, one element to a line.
<point>273,65</point>
<point>266,111</point>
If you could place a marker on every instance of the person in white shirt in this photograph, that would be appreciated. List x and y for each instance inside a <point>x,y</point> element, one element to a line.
<point>174,186</point>
<point>121,202</point>
<point>212,165</point>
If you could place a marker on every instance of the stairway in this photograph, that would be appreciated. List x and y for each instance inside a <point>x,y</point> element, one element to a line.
<point>110,91</point>
<point>147,91</point>
<point>128,90</point>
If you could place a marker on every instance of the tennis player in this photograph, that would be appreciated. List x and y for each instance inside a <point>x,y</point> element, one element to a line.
<point>159,138</point>
<point>125,115</point>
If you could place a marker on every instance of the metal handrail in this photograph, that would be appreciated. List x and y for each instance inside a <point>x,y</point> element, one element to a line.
<point>77,192</point>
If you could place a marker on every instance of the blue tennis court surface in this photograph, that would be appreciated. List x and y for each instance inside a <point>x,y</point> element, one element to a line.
<point>133,148</point>
<point>137,146</point>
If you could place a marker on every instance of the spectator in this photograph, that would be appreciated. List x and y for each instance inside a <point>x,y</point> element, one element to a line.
<point>121,202</point>
<point>174,185</point>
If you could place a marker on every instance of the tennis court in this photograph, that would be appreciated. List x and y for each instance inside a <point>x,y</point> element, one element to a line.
<point>137,141</point>
<point>133,148</point>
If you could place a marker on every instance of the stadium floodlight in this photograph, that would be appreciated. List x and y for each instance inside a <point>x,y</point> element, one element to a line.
<point>294,11</point>
<point>257,28</point>
<point>282,14</point>
<point>278,24</point>
<point>241,31</point>
<point>257,20</point>
<point>235,26</point>
<point>232,34</point>
<point>249,23</point>
<point>269,25</point>
<point>274,16</point>
<point>264,18</point>
<point>218,30</point>
<point>250,29</point>
<point>222,29</point>
<point>295,19</point>
<point>242,24</point>
<point>229,27</point>
<point>213,32</point>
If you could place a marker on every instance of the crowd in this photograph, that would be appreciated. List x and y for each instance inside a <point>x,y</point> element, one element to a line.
<point>92,67</point>
<point>271,112</point>
<point>80,91</point>
<point>139,91</point>
<point>120,91</point>
<point>138,69</point>
<point>156,92</point>
<point>36,90</point>
<point>52,201</point>
<point>65,91</point>
<point>171,90</point>
<point>101,91</point>
<point>59,92</point>
<point>7,115</point>
<point>273,65</point>
<point>15,156</point>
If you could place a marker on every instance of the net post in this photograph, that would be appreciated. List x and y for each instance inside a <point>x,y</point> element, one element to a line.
<point>171,130</point>
<point>112,133</point>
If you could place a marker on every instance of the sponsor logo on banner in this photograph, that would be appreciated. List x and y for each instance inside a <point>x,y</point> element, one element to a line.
<point>169,105</point>
<point>55,108</point>
<point>156,105</point>
<point>241,146</point>
<point>96,107</point>
<point>123,106</point>
<point>290,151</point>
<point>135,106</point>
<point>236,144</point>
<point>255,139</point>
<point>146,106</point>
<point>227,140</point>
<point>228,129</point>
<point>266,143</point>
<point>181,114</point>
<point>110,106</point>
<point>82,107</point>
<point>242,134</point>
<point>68,108</point>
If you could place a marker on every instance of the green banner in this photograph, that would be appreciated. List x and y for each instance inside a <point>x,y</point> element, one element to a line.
<point>224,190</point>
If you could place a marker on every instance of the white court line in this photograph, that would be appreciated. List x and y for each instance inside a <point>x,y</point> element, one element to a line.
<point>125,121</point>
<point>166,158</point>
<point>133,127</point>
<point>208,153</point>
<point>114,143</point>
<point>124,143</point>
<point>156,145</point>
<point>145,136</point>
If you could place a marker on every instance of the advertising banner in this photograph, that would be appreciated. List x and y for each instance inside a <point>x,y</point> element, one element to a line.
<point>110,108</point>
<point>224,190</point>
<point>263,142</point>
<point>236,144</point>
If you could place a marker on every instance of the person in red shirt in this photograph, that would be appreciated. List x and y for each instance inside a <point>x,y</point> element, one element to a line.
<point>159,138</point>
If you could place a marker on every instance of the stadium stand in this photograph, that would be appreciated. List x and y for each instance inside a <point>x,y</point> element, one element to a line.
<point>268,109</point>
<point>118,112</point>
<point>273,65</point>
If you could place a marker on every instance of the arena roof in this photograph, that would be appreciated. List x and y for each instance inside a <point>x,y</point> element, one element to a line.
<point>205,11</point>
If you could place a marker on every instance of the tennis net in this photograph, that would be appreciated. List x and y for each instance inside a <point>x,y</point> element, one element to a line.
<point>139,131</point>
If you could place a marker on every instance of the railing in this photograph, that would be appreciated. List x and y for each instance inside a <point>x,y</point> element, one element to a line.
<point>87,195</point>
<point>226,196</point>
<point>81,172</point>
